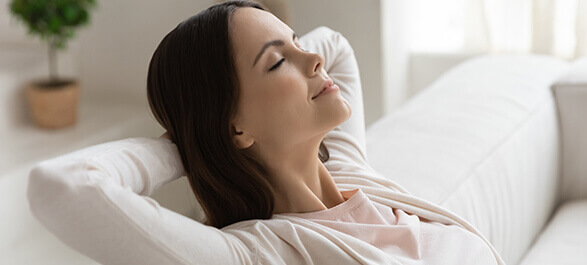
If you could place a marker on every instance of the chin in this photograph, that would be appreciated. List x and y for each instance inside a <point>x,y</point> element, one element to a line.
<point>342,117</point>
<point>349,110</point>
<point>337,115</point>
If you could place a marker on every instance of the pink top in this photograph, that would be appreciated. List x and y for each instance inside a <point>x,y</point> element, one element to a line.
<point>404,236</point>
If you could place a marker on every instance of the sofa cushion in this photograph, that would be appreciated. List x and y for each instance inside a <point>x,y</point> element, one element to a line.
<point>563,241</point>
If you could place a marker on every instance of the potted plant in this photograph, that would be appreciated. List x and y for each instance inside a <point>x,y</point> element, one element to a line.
<point>53,101</point>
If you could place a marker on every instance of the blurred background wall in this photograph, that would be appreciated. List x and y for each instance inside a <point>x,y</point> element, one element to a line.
<point>401,46</point>
<point>111,54</point>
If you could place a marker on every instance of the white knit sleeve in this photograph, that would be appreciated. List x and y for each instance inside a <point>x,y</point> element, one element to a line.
<point>96,201</point>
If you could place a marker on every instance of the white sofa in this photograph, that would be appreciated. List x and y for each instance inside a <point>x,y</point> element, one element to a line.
<point>483,141</point>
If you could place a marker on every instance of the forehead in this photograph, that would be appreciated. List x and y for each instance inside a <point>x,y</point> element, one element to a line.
<point>251,28</point>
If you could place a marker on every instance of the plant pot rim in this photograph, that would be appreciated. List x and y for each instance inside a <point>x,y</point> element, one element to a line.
<point>45,82</point>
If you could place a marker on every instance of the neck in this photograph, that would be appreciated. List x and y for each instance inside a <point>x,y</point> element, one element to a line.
<point>300,180</point>
<point>313,193</point>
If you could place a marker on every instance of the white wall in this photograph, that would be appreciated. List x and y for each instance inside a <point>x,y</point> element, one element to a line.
<point>112,52</point>
<point>395,53</point>
<point>425,68</point>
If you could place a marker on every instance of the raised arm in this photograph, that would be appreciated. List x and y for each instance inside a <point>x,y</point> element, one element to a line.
<point>347,141</point>
<point>96,201</point>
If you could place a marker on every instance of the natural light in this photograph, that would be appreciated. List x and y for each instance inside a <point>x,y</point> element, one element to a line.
<point>514,26</point>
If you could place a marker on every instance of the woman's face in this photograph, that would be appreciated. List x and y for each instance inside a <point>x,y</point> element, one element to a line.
<point>276,85</point>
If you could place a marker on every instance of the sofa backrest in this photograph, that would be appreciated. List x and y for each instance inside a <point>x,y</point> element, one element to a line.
<point>483,142</point>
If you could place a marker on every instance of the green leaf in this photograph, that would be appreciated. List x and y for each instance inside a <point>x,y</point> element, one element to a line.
<point>83,17</point>
<point>55,24</point>
<point>70,13</point>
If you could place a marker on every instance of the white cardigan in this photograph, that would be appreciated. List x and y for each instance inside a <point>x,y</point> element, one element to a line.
<point>96,199</point>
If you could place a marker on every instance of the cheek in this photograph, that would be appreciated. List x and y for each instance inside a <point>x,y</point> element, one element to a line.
<point>285,104</point>
<point>286,97</point>
<point>290,91</point>
<point>278,107</point>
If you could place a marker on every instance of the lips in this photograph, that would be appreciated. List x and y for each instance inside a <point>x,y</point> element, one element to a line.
<point>324,85</point>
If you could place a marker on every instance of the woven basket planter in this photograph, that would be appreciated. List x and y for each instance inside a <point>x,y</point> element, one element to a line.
<point>53,106</point>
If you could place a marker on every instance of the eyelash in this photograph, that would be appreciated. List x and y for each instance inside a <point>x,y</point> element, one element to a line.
<point>275,66</point>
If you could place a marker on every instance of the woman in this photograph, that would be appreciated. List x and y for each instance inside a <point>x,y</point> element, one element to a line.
<point>267,127</point>
<point>266,109</point>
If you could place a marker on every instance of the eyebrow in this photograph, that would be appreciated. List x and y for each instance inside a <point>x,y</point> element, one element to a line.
<point>272,43</point>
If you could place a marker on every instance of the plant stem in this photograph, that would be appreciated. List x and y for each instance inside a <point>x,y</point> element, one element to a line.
<point>52,61</point>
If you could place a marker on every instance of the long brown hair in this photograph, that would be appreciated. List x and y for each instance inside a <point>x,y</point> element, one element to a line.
<point>193,92</point>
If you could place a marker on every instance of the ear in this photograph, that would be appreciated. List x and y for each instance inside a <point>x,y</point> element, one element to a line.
<point>242,139</point>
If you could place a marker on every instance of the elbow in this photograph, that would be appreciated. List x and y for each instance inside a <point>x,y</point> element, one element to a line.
<point>50,186</point>
<point>40,188</point>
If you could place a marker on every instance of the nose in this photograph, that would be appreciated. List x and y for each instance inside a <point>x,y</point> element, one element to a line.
<point>316,63</point>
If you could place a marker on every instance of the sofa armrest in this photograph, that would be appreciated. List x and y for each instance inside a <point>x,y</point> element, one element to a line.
<point>571,99</point>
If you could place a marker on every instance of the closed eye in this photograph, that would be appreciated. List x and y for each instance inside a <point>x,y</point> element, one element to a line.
<point>275,66</point>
